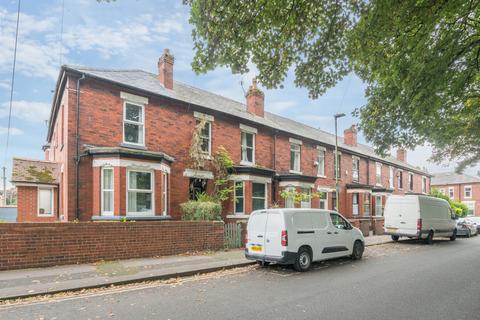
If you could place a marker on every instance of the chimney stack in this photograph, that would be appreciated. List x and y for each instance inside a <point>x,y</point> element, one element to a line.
<point>402,154</point>
<point>165,69</point>
<point>255,99</point>
<point>350,136</point>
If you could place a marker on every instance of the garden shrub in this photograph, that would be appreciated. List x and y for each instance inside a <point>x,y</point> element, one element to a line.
<point>201,210</point>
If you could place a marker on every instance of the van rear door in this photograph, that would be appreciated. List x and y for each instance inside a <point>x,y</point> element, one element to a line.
<point>273,238</point>
<point>256,230</point>
<point>401,214</point>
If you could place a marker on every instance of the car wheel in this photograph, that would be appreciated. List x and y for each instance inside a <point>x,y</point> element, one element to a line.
<point>263,264</point>
<point>357,251</point>
<point>303,262</point>
<point>454,235</point>
<point>395,238</point>
<point>429,238</point>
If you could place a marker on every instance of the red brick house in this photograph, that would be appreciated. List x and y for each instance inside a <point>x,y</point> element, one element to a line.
<point>120,141</point>
<point>460,187</point>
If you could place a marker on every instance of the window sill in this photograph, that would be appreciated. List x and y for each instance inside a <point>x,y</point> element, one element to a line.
<point>321,176</point>
<point>238,216</point>
<point>246,163</point>
<point>130,218</point>
<point>133,146</point>
<point>295,172</point>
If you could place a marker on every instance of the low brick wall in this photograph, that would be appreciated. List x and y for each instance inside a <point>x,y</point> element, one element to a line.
<point>28,245</point>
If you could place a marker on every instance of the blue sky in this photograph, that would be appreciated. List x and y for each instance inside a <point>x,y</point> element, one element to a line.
<point>132,34</point>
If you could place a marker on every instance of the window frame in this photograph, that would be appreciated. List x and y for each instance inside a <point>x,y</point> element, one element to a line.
<point>400,179</point>
<point>303,204</point>
<point>265,195</point>
<point>424,184</point>
<point>465,192</point>
<point>378,175</point>
<point>102,190</point>
<point>377,206</point>
<point>235,197</point>
<point>165,186</point>
<point>142,124</point>
<point>325,201</point>
<point>391,175</point>
<point>337,171</point>
<point>296,168</point>
<point>410,181</point>
<point>289,201</point>
<point>356,161</point>
<point>356,196</point>
<point>152,191</point>
<point>321,164</point>
<point>451,194</point>
<point>209,124</point>
<point>246,147</point>
<point>52,201</point>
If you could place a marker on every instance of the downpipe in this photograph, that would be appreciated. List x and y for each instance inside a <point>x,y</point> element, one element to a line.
<point>77,150</point>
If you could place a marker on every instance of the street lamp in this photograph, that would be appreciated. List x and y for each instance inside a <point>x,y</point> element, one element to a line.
<point>337,169</point>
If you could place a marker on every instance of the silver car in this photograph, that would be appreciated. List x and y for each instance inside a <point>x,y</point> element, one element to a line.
<point>476,220</point>
<point>466,227</point>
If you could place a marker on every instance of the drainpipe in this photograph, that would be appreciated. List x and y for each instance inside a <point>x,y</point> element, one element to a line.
<point>274,187</point>
<point>77,152</point>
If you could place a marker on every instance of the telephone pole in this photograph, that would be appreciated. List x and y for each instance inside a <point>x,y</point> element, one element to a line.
<point>4,178</point>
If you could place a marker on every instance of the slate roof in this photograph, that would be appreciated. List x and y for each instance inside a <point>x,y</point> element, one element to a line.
<point>35,171</point>
<point>446,178</point>
<point>148,82</point>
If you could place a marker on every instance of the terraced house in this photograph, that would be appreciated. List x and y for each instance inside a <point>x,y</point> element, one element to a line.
<point>118,142</point>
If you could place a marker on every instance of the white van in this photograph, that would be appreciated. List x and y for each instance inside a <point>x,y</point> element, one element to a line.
<point>419,217</point>
<point>300,236</point>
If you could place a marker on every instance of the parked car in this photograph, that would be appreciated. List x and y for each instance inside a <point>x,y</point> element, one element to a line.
<point>420,217</point>
<point>476,220</point>
<point>466,227</point>
<point>301,236</point>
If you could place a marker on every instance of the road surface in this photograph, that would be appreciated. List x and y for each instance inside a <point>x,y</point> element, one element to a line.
<point>407,280</point>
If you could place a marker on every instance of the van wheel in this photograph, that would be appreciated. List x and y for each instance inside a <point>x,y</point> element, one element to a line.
<point>357,251</point>
<point>454,235</point>
<point>303,262</point>
<point>429,238</point>
<point>395,238</point>
<point>263,264</point>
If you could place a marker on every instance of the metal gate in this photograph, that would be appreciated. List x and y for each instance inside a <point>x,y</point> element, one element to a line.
<point>233,235</point>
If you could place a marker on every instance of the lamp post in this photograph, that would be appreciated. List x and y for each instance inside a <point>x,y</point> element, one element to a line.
<point>337,169</point>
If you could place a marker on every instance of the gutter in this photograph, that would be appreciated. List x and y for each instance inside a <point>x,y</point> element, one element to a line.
<point>77,150</point>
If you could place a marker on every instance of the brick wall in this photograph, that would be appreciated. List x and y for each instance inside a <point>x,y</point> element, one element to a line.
<point>47,244</point>
<point>27,199</point>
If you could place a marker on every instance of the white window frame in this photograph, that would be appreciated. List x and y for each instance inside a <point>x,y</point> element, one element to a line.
<point>52,197</point>
<point>355,160</point>
<point>325,201</point>
<point>289,201</point>
<point>209,153</point>
<point>306,204</point>
<point>355,205</point>
<point>164,193</point>
<point>140,124</point>
<point>411,185</point>
<point>465,192</point>
<point>321,152</point>
<point>152,191</point>
<point>244,161</point>
<point>266,194</point>
<point>451,192</point>
<point>378,176</point>
<point>400,177</point>
<point>378,204</point>
<point>392,177</point>
<point>296,166</point>
<point>235,197</point>
<point>470,205</point>
<point>424,184</point>
<point>102,188</point>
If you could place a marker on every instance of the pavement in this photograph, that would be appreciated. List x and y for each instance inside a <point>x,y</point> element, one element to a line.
<point>24,283</point>
<point>404,280</point>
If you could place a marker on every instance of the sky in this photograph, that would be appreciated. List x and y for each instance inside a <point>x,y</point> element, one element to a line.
<point>131,34</point>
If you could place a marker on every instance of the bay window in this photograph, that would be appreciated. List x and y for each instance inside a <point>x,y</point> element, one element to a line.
<point>289,199</point>
<point>140,192</point>
<point>165,194</point>
<point>239,197</point>
<point>133,123</point>
<point>107,191</point>
<point>355,204</point>
<point>378,206</point>
<point>259,196</point>
<point>323,200</point>
<point>306,198</point>
<point>366,205</point>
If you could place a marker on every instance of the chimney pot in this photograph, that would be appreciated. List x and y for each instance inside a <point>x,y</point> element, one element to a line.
<point>165,69</point>
<point>350,136</point>
<point>255,99</point>
<point>402,154</point>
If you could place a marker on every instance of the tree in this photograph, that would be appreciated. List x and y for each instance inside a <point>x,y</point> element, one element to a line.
<point>420,60</point>
<point>460,209</point>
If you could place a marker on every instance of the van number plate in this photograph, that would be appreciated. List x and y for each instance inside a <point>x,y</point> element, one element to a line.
<point>256,248</point>
<point>392,229</point>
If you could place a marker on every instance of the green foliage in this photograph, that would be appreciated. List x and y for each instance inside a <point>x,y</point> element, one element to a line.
<point>460,209</point>
<point>420,60</point>
<point>222,165</point>
<point>298,197</point>
<point>201,210</point>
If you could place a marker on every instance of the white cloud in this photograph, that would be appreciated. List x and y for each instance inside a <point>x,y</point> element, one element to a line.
<point>27,110</point>
<point>13,131</point>
<point>169,26</point>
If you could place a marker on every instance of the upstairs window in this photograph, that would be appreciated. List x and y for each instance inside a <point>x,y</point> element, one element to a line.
<point>321,162</point>
<point>410,181</point>
<point>205,137</point>
<point>424,184</point>
<point>450,192</point>
<point>248,148</point>
<point>337,166</point>
<point>400,179</point>
<point>467,191</point>
<point>391,180</point>
<point>355,169</point>
<point>378,173</point>
<point>295,157</point>
<point>133,124</point>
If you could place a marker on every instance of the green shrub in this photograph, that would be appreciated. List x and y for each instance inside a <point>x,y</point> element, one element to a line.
<point>201,210</point>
